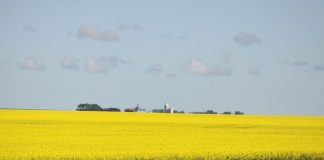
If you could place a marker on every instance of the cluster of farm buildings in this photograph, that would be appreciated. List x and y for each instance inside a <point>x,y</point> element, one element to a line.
<point>167,109</point>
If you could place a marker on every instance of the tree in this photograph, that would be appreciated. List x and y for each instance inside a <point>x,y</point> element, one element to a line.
<point>210,112</point>
<point>175,111</point>
<point>227,112</point>
<point>111,109</point>
<point>158,110</point>
<point>94,107</point>
<point>89,107</point>
<point>82,107</point>
<point>239,113</point>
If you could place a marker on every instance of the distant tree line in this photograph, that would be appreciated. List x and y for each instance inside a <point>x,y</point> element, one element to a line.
<point>213,112</point>
<point>176,111</point>
<point>112,109</point>
<point>162,111</point>
<point>95,107</point>
<point>207,112</point>
<point>158,110</point>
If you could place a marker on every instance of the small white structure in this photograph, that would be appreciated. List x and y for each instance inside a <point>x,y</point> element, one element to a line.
<point>168,108</point>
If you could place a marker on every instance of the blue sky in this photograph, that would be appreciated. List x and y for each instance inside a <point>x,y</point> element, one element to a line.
<point>261,57</point>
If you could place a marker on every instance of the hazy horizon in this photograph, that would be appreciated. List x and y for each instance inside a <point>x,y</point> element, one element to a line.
<point>261,57</point>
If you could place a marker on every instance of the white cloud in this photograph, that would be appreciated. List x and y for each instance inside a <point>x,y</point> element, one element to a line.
<point>197,67</point>
<point>155,69</point>
<point>69,63</point>
<point>31,64</point>
<point>92,32</point>
<point>96,65</point>
<point>246,39</point>
<point>102,64</point>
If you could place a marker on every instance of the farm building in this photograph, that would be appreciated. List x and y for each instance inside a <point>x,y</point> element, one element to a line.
<point>168,108</point>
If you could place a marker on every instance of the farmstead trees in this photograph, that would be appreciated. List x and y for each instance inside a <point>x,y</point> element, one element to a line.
<point>95,107</point>
<point>89,107</point>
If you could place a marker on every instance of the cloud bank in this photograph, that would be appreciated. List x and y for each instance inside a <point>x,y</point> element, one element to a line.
<point>91,32</point>
<point>31,64</point>
<point>197,67</point>
<point>103,64</point>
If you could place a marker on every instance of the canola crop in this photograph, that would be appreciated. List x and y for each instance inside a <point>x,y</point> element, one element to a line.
<point>86,135</point>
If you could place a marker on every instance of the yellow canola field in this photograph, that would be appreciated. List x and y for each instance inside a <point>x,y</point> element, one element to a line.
<point>81,135</point>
